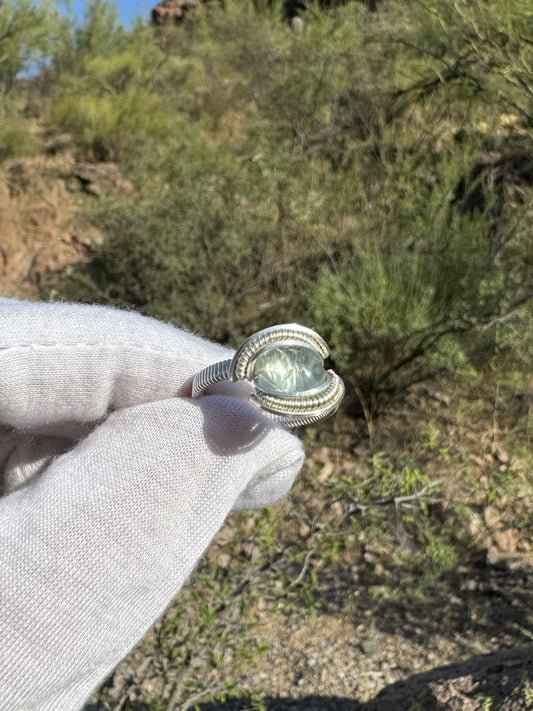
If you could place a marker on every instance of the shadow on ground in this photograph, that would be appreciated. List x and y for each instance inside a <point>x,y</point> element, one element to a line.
<point>486,602</point>
<point>502,680</point>
<point>307,703</point>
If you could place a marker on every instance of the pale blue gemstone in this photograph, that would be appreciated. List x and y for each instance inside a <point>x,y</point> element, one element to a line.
<point>288,370</point>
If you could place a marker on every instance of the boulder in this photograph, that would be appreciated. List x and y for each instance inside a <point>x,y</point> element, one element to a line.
<point>500,681</point>
<point>98,179</point>
<point>171,12</point>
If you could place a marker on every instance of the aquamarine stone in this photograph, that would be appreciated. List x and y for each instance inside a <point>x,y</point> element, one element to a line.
<point>288,370</point>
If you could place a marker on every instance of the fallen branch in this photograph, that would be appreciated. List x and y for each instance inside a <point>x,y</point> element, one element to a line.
<point>303,571</point>
<point>395,501</point>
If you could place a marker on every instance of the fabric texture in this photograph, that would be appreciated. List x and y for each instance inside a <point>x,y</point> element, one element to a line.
<point>114,482</point>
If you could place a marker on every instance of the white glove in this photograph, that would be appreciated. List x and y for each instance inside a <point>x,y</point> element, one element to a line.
<point>114,483</point>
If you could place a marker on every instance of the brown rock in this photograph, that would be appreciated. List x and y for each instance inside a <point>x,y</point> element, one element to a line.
<point>171,12</point>
<point>492,517</point>
<point>58,144</point>
<point>34,210</point>
<point>100,178</point>
<point>505,536</point>
<point>501,681</point>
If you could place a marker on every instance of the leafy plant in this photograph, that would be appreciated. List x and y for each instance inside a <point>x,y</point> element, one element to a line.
<point>14,139</point>
<point>27,32</point>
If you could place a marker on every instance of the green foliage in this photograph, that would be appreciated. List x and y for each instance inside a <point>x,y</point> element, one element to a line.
<point>404,305</point>
<point>14,139</point>
<point>428,285</point>
<point>490,49</point>
<point>120,120</point>
<point>341,177</point>
<point>28,30</point>
<point>97,34</point>
<point>406,482</point>
<point>168,252</point>
<point>107,85</point>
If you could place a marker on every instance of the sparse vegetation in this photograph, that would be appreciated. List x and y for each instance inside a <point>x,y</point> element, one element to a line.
<point>372,178</point>
<point>378,215</point>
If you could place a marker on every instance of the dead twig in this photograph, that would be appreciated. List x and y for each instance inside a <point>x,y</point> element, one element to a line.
<point>366,412</point>
<point>177,690</point>
<point>135,681</point>
<point>303,571</point>
<point>193,700</point>
<point>395,501</point>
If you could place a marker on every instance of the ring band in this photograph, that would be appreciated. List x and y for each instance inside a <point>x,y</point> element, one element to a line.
<point>286,365</point>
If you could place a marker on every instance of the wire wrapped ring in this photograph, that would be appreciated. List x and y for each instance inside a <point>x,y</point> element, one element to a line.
<point>286,365</point>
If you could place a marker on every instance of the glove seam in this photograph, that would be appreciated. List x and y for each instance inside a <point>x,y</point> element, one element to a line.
<point>116,345</point>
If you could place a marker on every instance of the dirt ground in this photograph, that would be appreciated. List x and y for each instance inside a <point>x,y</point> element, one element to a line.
<point>466,649</point>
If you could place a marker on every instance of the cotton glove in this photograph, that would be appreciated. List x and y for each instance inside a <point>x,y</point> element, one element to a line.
<point>114,482</point>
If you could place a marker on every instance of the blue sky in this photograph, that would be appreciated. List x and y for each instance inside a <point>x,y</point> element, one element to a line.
<point>129,9</point>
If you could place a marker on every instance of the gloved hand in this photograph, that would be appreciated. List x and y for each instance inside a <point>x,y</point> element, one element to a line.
<point>114,482</point>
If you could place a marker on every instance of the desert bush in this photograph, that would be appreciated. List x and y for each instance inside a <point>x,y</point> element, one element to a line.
<point>425,290</point>
<point>15,140</point>
<point>350,181</point>
<point>181,253</point>
<point>99,31</point>
<point>106,77</point>
<point>27,33</point>
<point>119,119</point>
<point>428,283</point>
<point>486,50</point>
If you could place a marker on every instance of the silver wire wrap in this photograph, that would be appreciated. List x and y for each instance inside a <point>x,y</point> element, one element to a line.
<point>215,373</point>
<point>295,410</point>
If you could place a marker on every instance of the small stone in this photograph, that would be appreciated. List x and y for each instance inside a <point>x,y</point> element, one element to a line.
<point>370,647</point>
<point>378,570</point>
<point>288,370</point>
<point>223,560</point>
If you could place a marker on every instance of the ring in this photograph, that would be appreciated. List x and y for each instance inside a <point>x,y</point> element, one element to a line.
<point>286,365</point>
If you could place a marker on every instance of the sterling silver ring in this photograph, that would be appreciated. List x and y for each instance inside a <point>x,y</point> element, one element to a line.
<point>286,365</point>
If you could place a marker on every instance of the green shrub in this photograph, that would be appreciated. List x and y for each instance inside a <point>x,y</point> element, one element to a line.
<point>427,282</point>
<point>120,119</point>
<point>27,32</point>
<point>181,253</point>
<point>334,177</point>
<point>15,139</point>
<point>107,87</point>
<point>423,298</point>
